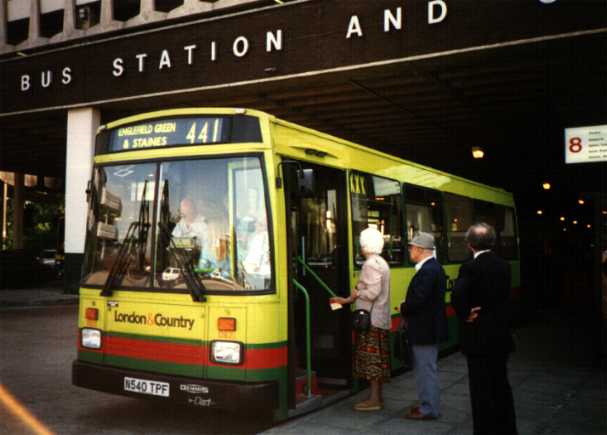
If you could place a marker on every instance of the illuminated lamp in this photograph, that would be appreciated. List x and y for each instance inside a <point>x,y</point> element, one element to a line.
<point>546,185</point>
<point>562,218</point>
<point>478,153</point>
<point>540,212</point>
<point>581,201</point>
<point>574,222</point>
<point>588,226</point>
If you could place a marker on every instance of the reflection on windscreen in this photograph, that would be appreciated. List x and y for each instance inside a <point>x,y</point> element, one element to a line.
<point>210,225</point>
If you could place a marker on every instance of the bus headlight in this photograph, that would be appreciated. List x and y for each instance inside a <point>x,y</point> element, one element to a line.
<point>226,352</point>
<point>90,338</point>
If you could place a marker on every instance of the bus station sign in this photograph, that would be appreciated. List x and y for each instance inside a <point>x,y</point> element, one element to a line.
<point>298,39</point>
<point>586,144</point>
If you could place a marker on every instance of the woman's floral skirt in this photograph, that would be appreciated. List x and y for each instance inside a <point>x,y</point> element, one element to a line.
<point>372,356</point>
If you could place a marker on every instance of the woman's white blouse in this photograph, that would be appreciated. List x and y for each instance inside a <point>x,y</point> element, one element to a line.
<point>374,290</point>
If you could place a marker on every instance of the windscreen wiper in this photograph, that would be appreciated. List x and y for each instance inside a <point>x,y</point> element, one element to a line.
<point>121,264</point>
<point>132,247</point>
<point>192,281</point>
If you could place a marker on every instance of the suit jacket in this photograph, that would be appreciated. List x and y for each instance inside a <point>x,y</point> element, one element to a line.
<point>424,307</point>
<point>485,282</point>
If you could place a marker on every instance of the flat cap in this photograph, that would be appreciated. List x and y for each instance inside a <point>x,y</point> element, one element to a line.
<point>423,240</point>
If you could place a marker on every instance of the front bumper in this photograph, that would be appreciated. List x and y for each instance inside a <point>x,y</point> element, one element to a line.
<point>230,396</point>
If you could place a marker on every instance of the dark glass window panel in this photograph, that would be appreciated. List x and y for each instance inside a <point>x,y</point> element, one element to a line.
<point>424,212</point>
<point>460,215</point>
<point>376,201</point>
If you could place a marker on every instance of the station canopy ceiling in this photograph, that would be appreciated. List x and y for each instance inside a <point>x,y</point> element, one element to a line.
<point>512,99</point>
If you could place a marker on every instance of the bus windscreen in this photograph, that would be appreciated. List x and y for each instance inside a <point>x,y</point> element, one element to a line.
<point>183,131</point>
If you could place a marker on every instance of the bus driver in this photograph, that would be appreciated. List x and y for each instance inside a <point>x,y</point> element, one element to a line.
<point>193,225</point>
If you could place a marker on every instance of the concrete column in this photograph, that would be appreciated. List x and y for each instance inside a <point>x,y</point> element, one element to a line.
<point>107,13</point>
<point>18,204</point>
<point>69,16</point>
<point>3,22</point>
<point>34,23</point>
<point>106,20</point>
<point>69,22</point>
<point>82,125</point>
<point>147,13</point>
<point>190,7</point>
<point>220,4</point>
<point>5,47</point>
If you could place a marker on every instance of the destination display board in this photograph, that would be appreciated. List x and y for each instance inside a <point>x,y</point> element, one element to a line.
<point>586,144</point>
<point>182,131</point>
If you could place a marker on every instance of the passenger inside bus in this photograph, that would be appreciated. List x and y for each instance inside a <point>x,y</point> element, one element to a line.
<point>257,255</point>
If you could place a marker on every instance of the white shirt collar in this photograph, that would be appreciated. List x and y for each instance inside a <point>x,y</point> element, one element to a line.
<point>419,265</point>
<point>477,253</point>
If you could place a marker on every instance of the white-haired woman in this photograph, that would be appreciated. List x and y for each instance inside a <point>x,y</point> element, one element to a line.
<point>372,293</point>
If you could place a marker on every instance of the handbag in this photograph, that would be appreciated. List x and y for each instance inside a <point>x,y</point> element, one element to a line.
<point>361,320</point>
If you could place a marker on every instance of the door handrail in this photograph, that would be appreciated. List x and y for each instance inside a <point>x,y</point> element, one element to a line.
<point>318,278</point>
<point>308,336</point>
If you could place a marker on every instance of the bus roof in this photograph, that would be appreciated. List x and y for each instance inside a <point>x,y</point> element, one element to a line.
<point>312,145</point>
<point>384,164</point>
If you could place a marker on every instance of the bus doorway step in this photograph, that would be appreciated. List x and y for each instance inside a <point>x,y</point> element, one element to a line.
<point>301,385</point>
<point>307,404</point>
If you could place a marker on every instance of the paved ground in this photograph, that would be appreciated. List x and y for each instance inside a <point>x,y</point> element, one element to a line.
<point>558,386</point>
<point>51,295</point>
<point>558,389</point>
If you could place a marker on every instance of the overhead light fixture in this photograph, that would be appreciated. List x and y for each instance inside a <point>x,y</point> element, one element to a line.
<point>562,218</point>
<point>540,212</point>
<point>546,185</point>
<point>564,229</point>
<point>588,226</point>
<point>581,201</point>
<point>574,222</point>
<point>603,211</point>
<point>478,153</point>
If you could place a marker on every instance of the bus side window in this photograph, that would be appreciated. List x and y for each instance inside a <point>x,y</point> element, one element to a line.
<point>376,202</point>
<point>460,215</point>
<point>502,219</point>
<point>485,212</point>
<point>506,233</point>
<point>423,210</point>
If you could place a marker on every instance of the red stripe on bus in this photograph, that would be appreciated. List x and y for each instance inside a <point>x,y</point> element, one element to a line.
<point>395,323</point>
<point>450,311</point>
<point>86,349</point>
<point>156,351</point>
<point>255,358</point>
<point>265,358</point>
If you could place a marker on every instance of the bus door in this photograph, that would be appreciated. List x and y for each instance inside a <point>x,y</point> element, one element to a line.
<point>317,246</point>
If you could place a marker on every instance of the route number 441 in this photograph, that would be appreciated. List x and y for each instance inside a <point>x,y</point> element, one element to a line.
<point>207,131</point>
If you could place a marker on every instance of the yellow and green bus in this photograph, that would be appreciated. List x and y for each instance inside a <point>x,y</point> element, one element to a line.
<point>215,238</point>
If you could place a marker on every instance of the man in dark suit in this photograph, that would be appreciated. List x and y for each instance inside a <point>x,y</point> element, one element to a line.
<point>481,298</point>
<point>424,313</point>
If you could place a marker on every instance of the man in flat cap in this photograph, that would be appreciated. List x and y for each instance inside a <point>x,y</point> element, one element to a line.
<point>424,313</point>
